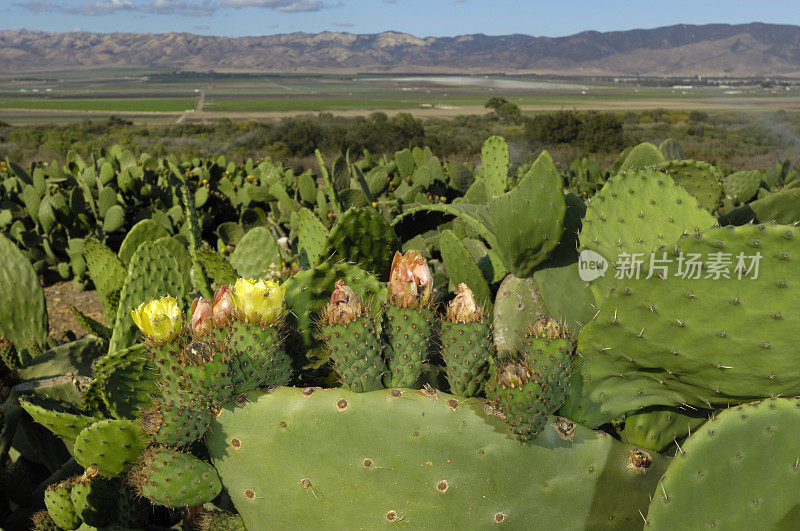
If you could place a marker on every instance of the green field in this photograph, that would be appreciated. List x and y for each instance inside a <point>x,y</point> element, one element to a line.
<point>136,104</point>
<point>139,94</point>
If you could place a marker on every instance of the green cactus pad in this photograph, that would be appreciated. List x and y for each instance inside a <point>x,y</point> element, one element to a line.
<point>91,325</point>
<point>23,315</point>
<point>167,477</point>
<point>461,267</point>
<point>408,334</point>
<point>108,275</point>
<point>146,230</point>
<point>517,306</point>
<point>42,521</point>
<point>364,237</point>
<point>656,428</point>
<point>112,446</point>
<point>217,267</point>
<point>60,417</point>
<point>311,234</point>
<point>700,179</point>
<point>494,165</point>
<point>703,342</point>
<point>93,499</point>
<point>738,471</point>
<point>258,356</point>
<point>59,505</point>
<point>528,220</point>
<point>636,212</point>
<point>355,349</point>
<point>742,186</point>
<point>781,207</point>
<point>220,521</point>
<point>257,255</point>
<point>133,511</point>
<point>642,156</point>
<point>296,457</point>
<point>153,273</point>
<point>466,350</point>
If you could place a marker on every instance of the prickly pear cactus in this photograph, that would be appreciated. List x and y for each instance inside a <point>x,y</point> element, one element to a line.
<point>738,471</point>
<point>23,315</point>
<point>458,465</point>
<point>352,338</point>
<point>706,335</point>
<point>175,479</point>
<point>467,344</point>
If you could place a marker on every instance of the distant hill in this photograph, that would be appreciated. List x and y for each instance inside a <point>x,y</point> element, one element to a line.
<point>711,50</point>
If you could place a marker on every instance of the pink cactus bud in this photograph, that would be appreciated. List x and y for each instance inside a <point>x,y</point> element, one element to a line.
<point>202,315</point>
<point>345,306</point>
<point>410,280</point>
<point>223,305</point>
<point>463,308</point>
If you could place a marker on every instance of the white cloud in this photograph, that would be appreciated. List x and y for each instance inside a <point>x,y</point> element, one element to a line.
<point>171,7</point>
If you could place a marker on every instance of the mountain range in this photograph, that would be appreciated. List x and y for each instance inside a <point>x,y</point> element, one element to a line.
<point>742,50</point>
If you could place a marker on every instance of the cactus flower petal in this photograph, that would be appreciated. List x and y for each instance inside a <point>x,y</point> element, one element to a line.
<point>222,306</point>
<point>259,301</point>
<point>463,308</point>
<point>159,319</point>
<point>345,306</point>
<point>202,314</point>
<point>410,280</point>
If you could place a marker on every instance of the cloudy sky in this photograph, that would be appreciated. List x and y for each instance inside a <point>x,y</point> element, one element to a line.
<point>417,17</point>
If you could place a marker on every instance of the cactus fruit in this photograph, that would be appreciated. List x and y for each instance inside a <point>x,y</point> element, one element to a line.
<point>548,349</point>
<point>8,354</point>
<point>466,341</point>
<point>175,423</point>
<point>409,319</point>
<point>175,479</point>
<point>59,505</point>
<point>686,337</point>
<point>458,465</point>
<point>738,471</point>
<point>352,338</point>
<point>521,396</point>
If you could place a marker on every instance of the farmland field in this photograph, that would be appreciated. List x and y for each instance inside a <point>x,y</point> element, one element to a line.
<point>63,97</point>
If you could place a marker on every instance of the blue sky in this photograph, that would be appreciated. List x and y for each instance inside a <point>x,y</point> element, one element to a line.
<point>418,17</point>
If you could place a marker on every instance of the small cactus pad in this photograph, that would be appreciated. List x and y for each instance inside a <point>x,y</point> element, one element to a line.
<point>111,446</point>
<point>738,471</point>
<point>293,458</point>
<point>167,477</point>
<point>59,505</point>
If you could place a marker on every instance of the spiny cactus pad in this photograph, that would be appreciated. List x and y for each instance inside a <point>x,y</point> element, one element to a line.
<point>324,457</point>
<point>59,505</point>
<point>659,427</point>
<point>703,342</point>
<point>111,446</point>
<point>175,479</point>
<point>738,471</point>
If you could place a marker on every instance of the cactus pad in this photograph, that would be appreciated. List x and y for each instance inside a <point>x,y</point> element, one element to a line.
<point>167,477</point>
<point>111,446</point>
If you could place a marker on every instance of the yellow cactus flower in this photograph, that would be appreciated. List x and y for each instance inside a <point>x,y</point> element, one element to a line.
<point>160,319</point>
<point>260,301</point>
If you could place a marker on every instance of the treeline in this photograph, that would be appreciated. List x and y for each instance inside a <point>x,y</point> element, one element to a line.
<point>718,136</point>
